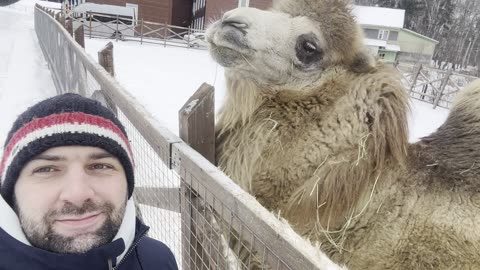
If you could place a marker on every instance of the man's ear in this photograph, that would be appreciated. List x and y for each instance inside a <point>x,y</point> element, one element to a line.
<point>363,62</point>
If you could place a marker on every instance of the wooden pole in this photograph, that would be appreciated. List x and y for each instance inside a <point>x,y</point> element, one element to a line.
<point>90,18</point>
<point>189,36</point>
<point>197,122</point>
<point>105,58</point>
<point>442,88</point>
<point>80,36</point>
<point>415,77</point>
<point>141,32</point>
<point>69,26</point>
<point>197,129</point>
<point>62,19</point>
<point>116,31</point>
<point>165,33</point>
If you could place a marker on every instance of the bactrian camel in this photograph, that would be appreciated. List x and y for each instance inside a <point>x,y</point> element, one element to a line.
<point>316,129</point>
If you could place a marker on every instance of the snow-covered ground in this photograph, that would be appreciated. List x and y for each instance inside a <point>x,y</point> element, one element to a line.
<point>24,75</point>
<point>162,78</point>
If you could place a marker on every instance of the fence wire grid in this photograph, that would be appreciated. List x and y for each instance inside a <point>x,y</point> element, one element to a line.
<point>207,220</point>
<point>430,85</point>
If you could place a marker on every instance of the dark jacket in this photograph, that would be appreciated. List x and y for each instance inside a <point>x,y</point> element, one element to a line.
<point>144,254</point>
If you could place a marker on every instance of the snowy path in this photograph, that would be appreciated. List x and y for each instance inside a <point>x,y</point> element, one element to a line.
<point>24,74</point>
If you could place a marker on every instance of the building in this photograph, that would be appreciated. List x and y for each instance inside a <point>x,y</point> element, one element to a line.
<point>386,38</point>
<point>207,11</point>
<point>194,13</point>
<point>173,12</point>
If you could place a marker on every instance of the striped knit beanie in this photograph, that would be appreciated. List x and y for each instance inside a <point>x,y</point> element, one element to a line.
<point>63,120</point>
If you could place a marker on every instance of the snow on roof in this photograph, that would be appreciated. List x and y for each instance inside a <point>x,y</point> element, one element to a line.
<point>375,42</point>
<point>380,16</point>
<point>50,4</point>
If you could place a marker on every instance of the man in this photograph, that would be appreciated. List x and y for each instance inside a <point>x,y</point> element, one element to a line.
<point>66,181</point>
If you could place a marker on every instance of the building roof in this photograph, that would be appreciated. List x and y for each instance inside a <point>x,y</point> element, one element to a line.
<point>379,16</point>
<point>420,35</point>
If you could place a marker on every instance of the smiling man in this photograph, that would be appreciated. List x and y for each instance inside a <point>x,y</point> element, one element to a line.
<point>66,183</point>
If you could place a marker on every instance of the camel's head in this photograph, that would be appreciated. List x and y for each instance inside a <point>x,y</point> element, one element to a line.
<point>292,43</point>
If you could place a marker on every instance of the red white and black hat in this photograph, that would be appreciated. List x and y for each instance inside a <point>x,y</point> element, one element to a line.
<point>63,120</point>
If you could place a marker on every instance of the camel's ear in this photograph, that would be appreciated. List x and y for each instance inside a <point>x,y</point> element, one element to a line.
<point>363,62</point>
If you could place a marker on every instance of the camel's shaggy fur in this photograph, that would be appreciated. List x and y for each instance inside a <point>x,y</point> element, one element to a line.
<point>317,131</point>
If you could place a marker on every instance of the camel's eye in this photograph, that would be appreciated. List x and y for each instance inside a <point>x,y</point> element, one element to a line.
<point>308,51</point>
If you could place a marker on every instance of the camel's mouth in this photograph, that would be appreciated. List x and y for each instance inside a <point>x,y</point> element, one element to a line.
<point>228,42</point>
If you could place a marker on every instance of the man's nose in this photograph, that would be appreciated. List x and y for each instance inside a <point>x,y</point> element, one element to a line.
<point>77,187</point>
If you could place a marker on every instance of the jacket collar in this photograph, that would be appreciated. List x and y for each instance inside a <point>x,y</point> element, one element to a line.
<point>126,233</point>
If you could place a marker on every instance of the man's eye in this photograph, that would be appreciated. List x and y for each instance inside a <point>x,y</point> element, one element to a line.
<point>100,166</point>
<point>43,170</point>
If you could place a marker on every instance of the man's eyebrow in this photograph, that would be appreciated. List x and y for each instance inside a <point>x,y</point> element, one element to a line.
<point>101,155</point>
<point>49,157</point>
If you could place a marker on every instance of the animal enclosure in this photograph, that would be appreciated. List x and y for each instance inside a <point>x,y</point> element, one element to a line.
<point>187,201</point>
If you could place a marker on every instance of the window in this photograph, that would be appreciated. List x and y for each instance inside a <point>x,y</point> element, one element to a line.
<point>383,34</point>
<point>371,33</point>
<point>243,3</point>
<point>393,35</point>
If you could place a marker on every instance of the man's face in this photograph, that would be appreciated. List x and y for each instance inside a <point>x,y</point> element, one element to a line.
<point>71,199</point>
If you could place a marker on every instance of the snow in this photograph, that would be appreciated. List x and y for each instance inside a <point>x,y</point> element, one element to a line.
<point>379,16</point>
<point>162,78</point>
<point>423,120</point>
<point>24,75</point>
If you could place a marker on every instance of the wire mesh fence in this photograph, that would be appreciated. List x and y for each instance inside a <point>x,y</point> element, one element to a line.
<point>206,219</point>
<point>434,86</point>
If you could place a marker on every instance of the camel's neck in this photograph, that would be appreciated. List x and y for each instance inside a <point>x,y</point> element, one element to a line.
<point>242,99</point>
<point>244,96</point>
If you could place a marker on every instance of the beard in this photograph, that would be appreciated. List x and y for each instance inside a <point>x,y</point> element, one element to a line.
<point>42,234</point>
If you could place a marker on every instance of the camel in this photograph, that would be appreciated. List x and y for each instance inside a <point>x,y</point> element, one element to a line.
<point>316,129</point>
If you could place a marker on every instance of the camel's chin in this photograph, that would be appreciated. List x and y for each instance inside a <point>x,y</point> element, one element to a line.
<point>226,57</point>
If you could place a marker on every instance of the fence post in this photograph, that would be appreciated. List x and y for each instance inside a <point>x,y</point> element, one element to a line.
<point>61,19</point>
<point>69,26</point>
<point>141,32</point>
<point>197,122</point>
<point>105,58</point>
<point>116,31</point>
<point>415,78</point>
<point>197,129</point>
<point>189,36</point>
<point>89,17</point>
<point>442,88</point>
<point>165,33</point>
<point>80,36</point>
